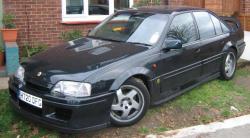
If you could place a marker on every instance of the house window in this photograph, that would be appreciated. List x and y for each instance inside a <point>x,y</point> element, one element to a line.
<point>74,7</point>
<point>91,10</point>
<point>99,7</point>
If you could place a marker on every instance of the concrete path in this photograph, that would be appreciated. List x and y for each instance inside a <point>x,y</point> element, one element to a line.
<point>246,54</point>
<point>232,128</point>
<point>4,83</point>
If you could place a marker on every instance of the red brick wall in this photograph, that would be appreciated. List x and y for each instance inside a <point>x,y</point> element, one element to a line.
<point>245,6</point>
<point>214,5</point>
<point>194,3</point>
<point>39,21</point>
<point>176,2</point>
<point>245,14</point>
<point>163,2</point>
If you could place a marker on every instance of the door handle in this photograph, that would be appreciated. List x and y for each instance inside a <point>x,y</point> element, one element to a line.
<point>198,50</point>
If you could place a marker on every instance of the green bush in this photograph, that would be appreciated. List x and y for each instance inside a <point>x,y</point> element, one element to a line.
<point>71,35</point>
<point>147,3</point>
<point>1,49</point>
<point>8,21</point>
<point>30,50</point>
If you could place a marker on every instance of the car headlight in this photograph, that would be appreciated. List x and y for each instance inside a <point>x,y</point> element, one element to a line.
<point>20,73</point>
<point>74,89</point>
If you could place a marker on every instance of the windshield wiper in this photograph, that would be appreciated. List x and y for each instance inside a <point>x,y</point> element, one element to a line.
<point>106,39</point>
<point>113,40</point>
<point>138,43</point>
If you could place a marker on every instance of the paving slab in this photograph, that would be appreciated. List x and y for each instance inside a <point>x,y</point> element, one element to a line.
<point>232,128</point>
<point>4,83</point>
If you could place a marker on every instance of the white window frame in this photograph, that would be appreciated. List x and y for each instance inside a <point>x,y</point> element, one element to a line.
<point>85,17</point>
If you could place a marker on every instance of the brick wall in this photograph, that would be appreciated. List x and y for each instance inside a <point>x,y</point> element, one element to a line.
<point>194,3</point>
<point>245,14</point>
<point>39,21</point>
<point>162,2</point>
<point>176,2</point>
<point>214,5</point>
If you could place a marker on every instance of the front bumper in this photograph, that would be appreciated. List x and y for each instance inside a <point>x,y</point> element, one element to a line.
<point>72,115</point>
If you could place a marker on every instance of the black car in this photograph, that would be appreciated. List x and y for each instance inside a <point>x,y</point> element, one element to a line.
<point>134,59</point>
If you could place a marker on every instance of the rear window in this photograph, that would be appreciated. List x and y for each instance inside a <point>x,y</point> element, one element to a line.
<point>224,28</point>
<point>205,25</point>
<point>217,25</point>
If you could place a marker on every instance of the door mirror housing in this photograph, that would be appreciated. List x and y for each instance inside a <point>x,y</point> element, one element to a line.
<point>89,31</point>
<point>172,44</point>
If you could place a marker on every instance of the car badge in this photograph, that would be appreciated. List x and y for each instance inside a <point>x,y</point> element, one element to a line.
<point>39,74</point>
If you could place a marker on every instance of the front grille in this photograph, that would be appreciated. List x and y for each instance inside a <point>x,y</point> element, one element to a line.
<point>36,87</point>
<point>59,114</point>
<point>63,114</point>
<point>29,108</point>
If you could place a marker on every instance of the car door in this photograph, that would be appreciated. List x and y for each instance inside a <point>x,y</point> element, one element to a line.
<point>181,68</point>
<point>212,39</point>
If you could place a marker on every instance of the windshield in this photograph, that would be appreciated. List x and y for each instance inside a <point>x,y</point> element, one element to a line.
<point>140,28</point>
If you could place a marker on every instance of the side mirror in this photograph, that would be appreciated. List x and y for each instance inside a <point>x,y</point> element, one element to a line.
<point>172,44</point>
<point>89,31</point>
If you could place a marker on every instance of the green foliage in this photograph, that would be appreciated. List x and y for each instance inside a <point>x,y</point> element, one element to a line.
<point>13,125</point>
<point>1,49</point>
<point>225,113</point>
<point>144,130</point>
<point>216,96</point>
<point>71,35</point>
<point>161,129</point>
<point>8,21</point>
<point>6,117</point>
<point>147,3</point>
<point>205,119</point>
<point>30,50</point>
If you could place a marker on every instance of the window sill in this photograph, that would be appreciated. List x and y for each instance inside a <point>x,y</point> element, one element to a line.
<point>92,19</point>
<point>80,22</point>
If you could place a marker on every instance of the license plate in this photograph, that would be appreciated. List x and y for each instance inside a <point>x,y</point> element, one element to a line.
<point>30,99</point>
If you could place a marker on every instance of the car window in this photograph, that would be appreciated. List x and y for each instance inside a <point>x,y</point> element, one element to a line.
<point>217,25</point>
<point>224,28</point>
<point>183,28</point>
<point>205,25</point>
<point>132,27</point>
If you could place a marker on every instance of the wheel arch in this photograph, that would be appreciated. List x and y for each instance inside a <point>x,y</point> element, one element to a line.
<point>230,45</point>
<point>141,73</point>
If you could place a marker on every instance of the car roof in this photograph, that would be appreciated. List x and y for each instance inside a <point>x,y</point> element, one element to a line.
<point>165,9</point>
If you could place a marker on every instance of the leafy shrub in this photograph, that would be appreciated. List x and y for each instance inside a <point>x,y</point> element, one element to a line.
<point>30,50</point>
<point>147,3</point>
<point>8,21</point>
<point>71,35</point>
<point>1,49</point>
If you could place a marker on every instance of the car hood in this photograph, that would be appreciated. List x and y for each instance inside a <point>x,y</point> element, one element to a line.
<point>81,56</point>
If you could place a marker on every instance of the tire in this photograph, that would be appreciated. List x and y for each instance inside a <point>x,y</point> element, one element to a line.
<point>124,110</point>
<point>226,73</point>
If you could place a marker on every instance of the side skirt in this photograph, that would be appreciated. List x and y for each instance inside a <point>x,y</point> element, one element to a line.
<point>212,77</point>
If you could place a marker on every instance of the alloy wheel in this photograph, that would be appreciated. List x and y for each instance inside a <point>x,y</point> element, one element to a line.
<point>230,64</point>
<point>128,104</point>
